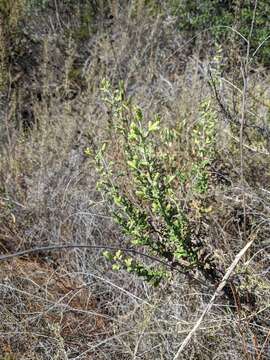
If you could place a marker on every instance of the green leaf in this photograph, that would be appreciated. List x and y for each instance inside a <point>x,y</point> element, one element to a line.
<point>128,262</point>
<point>108,255</point>
<point>116,267</point>
<point>118,255</point>
<point>132,163</point>
<point>138,114</point>
<point>153,126</point>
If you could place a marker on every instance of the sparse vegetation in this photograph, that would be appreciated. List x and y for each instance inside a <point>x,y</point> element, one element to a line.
<point>119,130</point>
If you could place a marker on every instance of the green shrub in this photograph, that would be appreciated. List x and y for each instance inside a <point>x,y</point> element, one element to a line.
<point>151,194</point>
<point>212,16</point>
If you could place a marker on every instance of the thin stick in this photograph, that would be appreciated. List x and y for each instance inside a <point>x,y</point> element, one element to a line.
<point>217,292</point>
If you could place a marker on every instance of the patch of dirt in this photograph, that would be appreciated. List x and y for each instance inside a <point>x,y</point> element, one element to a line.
<point>41,305</point>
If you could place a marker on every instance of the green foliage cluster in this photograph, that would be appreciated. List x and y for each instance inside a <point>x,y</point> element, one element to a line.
<point>36,4</point>
<point>147,187</point>
<point>11,13</point>
<point>213,16</point>
<point>86,15</point>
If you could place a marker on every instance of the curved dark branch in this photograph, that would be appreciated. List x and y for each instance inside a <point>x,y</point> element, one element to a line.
<point>95,247</point>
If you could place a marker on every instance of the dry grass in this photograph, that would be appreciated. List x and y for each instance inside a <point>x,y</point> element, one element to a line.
<point>71,305</point>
